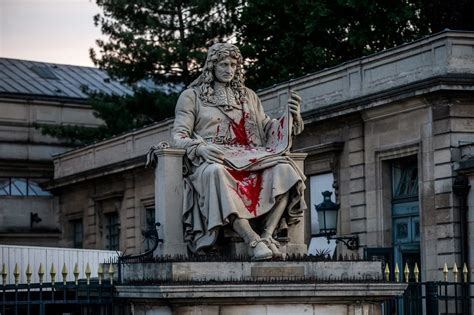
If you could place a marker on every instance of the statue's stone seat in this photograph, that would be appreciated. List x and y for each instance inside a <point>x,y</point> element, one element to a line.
<point>169,209</point>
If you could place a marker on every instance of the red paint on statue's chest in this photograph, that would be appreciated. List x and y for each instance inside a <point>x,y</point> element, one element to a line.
<point>240,132</point>
<point>249,185</point>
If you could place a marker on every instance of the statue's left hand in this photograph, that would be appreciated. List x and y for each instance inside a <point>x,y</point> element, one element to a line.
<point>294,103</point>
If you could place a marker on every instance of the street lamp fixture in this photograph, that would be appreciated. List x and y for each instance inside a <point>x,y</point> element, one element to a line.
<point>327,216</point>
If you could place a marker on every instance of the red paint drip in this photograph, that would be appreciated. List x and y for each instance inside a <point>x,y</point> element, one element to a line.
<point>282,121</point>
<point>239,132</point>
<point>249,185</point>
<point>280,134</point>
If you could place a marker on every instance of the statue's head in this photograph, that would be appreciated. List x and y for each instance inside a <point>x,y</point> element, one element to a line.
<point>217,54</point>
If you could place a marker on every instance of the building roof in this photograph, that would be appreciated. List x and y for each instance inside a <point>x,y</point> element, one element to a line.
<point>24,78</point>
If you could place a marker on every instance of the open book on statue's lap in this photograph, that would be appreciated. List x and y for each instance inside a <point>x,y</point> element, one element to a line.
<point>240,157</point>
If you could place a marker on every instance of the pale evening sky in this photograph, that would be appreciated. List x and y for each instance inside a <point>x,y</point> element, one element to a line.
<point>57,31</point>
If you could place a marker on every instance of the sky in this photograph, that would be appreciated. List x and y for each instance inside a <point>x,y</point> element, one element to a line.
<point>56,31</point>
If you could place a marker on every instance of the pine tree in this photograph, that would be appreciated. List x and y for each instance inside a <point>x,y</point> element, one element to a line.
<point>164,40</point>
<point>287,39</point>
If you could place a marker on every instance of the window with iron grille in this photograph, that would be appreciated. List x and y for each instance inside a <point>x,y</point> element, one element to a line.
<point>22,186</point>
<point>78,233</point>
<point>113,231</point>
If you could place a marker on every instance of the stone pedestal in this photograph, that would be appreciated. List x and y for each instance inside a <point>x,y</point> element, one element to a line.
<point>261,299</point>
<point>169,201</point>
<point>244,271</point>
<point>257,288</point>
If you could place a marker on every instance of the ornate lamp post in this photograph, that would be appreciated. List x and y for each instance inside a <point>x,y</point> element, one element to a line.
<point>327,216</point>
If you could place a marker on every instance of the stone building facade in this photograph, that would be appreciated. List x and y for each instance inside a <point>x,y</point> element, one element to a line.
<point>384,132</point>
<point>38,93</point>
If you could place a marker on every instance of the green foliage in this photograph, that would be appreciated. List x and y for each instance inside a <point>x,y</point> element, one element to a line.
<point>287,39</point>
<point>163,40</point>
<point>447,14</point>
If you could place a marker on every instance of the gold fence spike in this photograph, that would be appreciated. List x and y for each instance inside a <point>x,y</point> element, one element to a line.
<point>64,273</point>
<point>16,273</point>
<point>397,273</point>
<point>445,272</point>
<point>406,272</point>
<point>416,272</point>
<point>111,273</point>
<point>76,274</point>
<point>4,274</point>
<point>52,273</point>
<point>41,273</point>
<point>465,272</point>
<point>387,272</point>
<point>28,273</point>
<point>455,272</point>
<point>100,273</point>
<point>88,273</point>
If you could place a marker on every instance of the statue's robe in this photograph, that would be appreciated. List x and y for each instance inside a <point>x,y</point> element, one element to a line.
<point>213,191</point>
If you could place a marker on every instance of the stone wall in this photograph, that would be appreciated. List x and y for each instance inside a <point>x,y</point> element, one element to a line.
<point>20,140</point>
<point>26,153</point>
<point>129,194</point>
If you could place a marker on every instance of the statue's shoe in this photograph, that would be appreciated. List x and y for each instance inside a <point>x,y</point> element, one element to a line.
<point>260,251</point>
<point>273,245</point>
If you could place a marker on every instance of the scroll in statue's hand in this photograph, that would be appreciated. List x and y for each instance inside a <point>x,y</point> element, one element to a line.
<point>210,153</point>
<point>294,104</point>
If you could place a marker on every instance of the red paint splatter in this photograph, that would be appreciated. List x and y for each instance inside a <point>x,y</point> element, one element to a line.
<point>253,160</point>
<point>280,134</point>
<point>282,121</point>
<point>239,132</point>
<point>249,185</point>
<point>218,129</point>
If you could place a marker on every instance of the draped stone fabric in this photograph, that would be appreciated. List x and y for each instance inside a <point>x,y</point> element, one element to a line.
<point>213,192</point>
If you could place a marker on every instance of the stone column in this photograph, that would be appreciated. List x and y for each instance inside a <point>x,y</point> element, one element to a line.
<point>296,244</point>
<point>169,201</point>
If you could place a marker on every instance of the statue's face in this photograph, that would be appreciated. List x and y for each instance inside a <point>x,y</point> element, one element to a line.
<point>224,70</point>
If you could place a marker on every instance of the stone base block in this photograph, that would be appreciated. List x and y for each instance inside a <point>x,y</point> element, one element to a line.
<point>261,299</point>
<point>266,309</point>
<point>249,271</point>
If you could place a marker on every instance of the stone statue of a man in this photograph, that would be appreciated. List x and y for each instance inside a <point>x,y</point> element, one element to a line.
<point>215,113</point>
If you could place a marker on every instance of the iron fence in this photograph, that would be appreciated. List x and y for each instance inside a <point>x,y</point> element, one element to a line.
<point>432,297</point>
<point>80,298</point>
<point>85,296</point>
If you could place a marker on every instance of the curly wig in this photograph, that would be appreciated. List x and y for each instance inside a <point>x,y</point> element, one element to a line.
<point>204,83</point>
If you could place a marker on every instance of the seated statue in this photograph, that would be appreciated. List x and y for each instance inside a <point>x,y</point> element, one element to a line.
<point>215,115</point>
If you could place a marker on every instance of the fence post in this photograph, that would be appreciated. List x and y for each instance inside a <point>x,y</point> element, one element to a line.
<point>432,301</point>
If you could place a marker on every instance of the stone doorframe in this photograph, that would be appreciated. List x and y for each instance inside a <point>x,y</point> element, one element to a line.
<point>383,186</point>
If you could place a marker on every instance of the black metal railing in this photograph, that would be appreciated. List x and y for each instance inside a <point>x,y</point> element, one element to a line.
<point>58,298</point>
<point>432,297</point>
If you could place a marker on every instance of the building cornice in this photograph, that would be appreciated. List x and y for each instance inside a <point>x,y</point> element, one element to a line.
<point>447,83</point>
<point>93,173</point>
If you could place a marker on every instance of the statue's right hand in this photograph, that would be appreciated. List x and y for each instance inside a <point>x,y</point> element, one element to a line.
<point>210,153</point>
